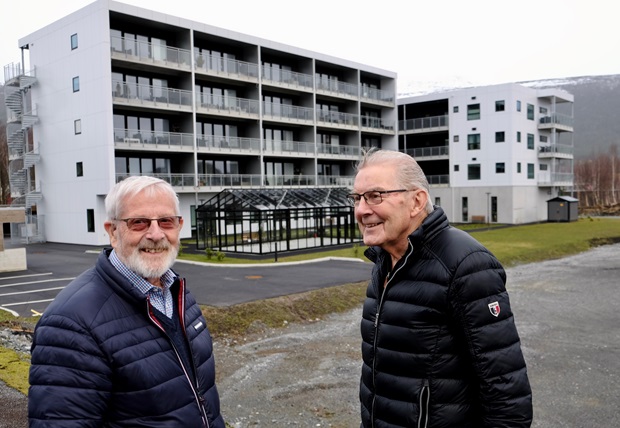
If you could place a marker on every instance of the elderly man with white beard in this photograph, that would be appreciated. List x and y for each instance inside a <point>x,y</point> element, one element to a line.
<point>125,344</point>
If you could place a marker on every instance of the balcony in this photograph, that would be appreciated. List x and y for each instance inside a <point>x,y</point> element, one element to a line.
<point>337,151</point>
<point>143,52</point>
<point>287,79</point>
<point>132,139</point>
<point>429,153</point>
<point>377,96</point>
<point>288,148</point>
<point>227,144</point>
<point>227,106</point>
<point>370,124</point>
<point>295,180</point>
<point>555,179</point>
<point>438,180</point>
<point>336,181</point>
<point>216,65</point>
<point>560,122</point>
<point>337,119</point>
<point>336,88</point>
<point>555,151</point>
<point>288,113</point>
<point>152,96</point>
<point>424,124</point>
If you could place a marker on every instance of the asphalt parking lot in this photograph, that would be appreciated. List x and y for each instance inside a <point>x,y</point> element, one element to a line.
<point>52,266</point>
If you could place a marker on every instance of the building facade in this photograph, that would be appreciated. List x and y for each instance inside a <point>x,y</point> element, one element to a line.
<point>493,154</point>
<point>114,90</point>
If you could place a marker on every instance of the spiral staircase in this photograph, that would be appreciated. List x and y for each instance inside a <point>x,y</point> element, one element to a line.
<point>21,117</point>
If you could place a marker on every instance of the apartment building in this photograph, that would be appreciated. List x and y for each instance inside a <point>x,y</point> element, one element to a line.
<point>493,154</point>
<point>114,90</point>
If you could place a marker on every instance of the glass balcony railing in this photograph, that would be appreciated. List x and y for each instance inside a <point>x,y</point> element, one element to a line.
<point>227,143</point>
<point>226,104</point>
<point>229,67</point>
<point>422,152</point>
<point>423,123</point>
<point>337,118</point>
<point>557,119</point>
<point>153,140</point>
<point>286,111</point>
<point>438,179</point>
<point>288,147</point>
<point>377,123</point>
<point>143,51</point>
<point>330,149</point>
<point>337,86</point>
<point>277,75</point>
<point>157,95</point>
<point>335,180</point>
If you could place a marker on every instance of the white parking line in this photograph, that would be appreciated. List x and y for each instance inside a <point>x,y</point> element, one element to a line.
<point>27,303</point>
<point>36,282</point>
<point>30,291</point>
<point>25,276</point>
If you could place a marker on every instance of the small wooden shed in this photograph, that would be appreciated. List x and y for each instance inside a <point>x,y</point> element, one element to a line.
<point>563,208</point>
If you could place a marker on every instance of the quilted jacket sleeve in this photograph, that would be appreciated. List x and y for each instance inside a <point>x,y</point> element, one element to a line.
<point>69,378</point>
<point>482,309</point>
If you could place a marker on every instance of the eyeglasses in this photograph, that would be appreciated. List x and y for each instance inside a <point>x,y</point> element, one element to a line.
<point>373,197</point>
<point>140,224</point>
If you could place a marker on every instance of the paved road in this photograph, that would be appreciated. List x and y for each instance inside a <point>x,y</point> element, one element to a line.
<point>52,266</point>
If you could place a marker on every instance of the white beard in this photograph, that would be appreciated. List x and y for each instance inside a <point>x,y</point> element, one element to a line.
<point>139,265</point>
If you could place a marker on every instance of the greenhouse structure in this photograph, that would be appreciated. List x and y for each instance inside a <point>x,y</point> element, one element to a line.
<point>266,221</point>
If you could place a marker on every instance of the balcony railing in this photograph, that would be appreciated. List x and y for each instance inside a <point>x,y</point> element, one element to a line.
<point>331,149</point>
<point>150,140</point>
<point>286,77</point>
<point>155,95</point>
<point>422,152</point>
<point>377,123</point>
<point>146,52</point>
<point>288,147</point>
<point>229,180</point>
<point>337,86</point>
<point>226,104</point>
<point>289,112</point>
<point>555,178</point>
<point>438,179</point>
<point>228,144</point>
<point>553,149</point>
<point>423,123</point>
<point>337,118</point>
<point>377,94</point>
<point>290,180</point>
<point>228,67</point>
<point>333,180</point>
<point>557,119</point>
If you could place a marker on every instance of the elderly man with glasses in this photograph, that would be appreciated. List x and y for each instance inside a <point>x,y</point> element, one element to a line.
<point>439,342</point>
<point>125,344</point>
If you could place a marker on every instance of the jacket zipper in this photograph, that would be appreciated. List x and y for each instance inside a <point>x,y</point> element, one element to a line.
<point>199,399</point>
<point>425,398</point>
<point>389,278</point>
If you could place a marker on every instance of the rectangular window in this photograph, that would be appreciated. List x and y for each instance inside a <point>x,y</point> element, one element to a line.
<point>456,138</point>
<point>500,167</point>
<point>518,136</point>
<point>90,220</point>
<point>473,142</point>
<point>500,137</point>
<point>438,201</point>
<point>76,84</point>
<point>530,141</point>
<point>464,210</point>
<point>518,105</point>
<point>74,41</point>
<point>79,169</point>
<point>456,168</point>
<point>530,170</point>
<point>500,105</point>
<point>77,126</point>
<point>543,110</point>
<point>530,111</point>
<point>455,109</point>
<point>543,138</point>
<point>473,111</point>
<point>544,166</point>
<point>518,167</point>
<point>473,171</point>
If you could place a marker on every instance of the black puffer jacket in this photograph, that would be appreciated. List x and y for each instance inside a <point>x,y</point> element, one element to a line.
<point>99,359</point>
<point>440,347</point>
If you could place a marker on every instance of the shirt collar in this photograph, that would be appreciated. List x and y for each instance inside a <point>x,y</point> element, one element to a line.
<point>167,279</point>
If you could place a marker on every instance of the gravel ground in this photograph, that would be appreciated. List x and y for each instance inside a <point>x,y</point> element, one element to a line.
<point>307,375</point>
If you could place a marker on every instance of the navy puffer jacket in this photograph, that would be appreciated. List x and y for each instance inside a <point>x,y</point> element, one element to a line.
<point>440,347</point>
<point>99,359</point>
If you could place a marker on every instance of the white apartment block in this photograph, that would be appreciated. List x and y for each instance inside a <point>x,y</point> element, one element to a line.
<point>114,90</point>
<point>492,154</point>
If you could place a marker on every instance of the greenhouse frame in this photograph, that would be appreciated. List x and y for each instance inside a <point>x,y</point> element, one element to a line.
<point>267,221</point>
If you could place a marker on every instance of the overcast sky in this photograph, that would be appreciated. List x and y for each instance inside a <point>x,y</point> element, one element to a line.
<point>450,42</point>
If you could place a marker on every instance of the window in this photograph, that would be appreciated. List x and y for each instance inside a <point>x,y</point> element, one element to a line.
<point>518,167</point>
<point>530,112</point>
<point>456,168</point>
<point>500,137</point>
<point>530,141</point>
<point>464,213</point>
<point>500,105</point>
<point>473,142</point>
<point>473,171</point>
<point>76,84</point>
<point>77,126</point>
<point>456,138</point>
<point>74,41</point>
<point>473,111</point>
<point>518,105</point>
<point>90,220</point>
<point>438,201</point>
<point>79,169</point>
<point>544,166</point>
<point>530,170</point>
<point>518,136</point>
<point>455,109</point>
<point>500,168</point>
<point>543,138</point>
<point>543,110</point>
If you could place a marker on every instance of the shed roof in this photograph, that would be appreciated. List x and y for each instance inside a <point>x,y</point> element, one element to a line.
<point>564,198</point>
<point>276,199</point>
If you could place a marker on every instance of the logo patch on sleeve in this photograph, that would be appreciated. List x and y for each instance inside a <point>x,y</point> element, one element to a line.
<point>494,308</point>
